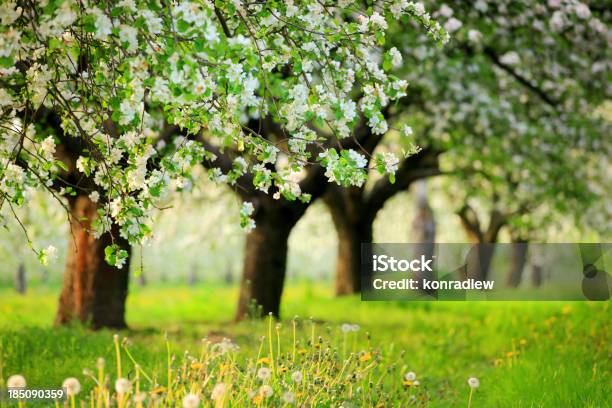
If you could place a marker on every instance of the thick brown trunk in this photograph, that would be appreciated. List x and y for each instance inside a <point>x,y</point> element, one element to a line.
<point>519,258</point>
<point>348,265</point>
<point>265,260</point>
<point>93,292</point>
<point>354,226</point>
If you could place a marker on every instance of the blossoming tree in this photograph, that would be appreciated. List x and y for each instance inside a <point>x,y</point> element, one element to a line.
<point>109,106</point>
<point>508,106</point>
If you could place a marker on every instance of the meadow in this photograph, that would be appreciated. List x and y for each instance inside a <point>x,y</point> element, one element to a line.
<point>525,354</point>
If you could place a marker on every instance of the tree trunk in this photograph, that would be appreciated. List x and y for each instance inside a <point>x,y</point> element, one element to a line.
<point>423,228</point>
<point>536,275</point>
<point>20,279</point>
<point>519,258</point>
<point>265,258</point>
<point>351,234</point>
<point>93,293</point>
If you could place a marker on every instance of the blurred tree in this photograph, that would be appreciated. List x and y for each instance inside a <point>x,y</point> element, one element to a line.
<point>508,105</point>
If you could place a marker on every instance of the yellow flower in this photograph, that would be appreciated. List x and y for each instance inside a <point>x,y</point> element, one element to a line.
<point>158,390</point>
<point>522,342</point>
<point>282,369</point>
<point>408,383</point>
<point>264,360</point>
<point>196,365</point>
<point>257,399</point>
<point>380,405</point>
<point>365,356</point>
<point>302,351</point>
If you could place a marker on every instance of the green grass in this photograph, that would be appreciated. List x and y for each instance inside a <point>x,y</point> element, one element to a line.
<point>560,350</point>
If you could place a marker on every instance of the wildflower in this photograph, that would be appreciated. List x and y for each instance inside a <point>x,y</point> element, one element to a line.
<point>297,376</point>
<point>282,369</point>
<point>473,382</point>
<point>218,391</point>
<point>354,327</point>
<point>196,366</point>
<point>346,328</point>
<point>302,351</point>
<point>264,360</point>
<point>191,401</point>
<point>264,373</point>
<point>72,386</point>
<point>365,356</point>
<point>410,379</point>
<point>266,391</point>
<point>289,397</point>
<point>16,381</point>
<point>122,385</point>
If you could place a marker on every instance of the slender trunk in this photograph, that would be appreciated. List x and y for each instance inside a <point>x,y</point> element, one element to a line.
<point>20,279</point>
<point>93,292</point>
<point>536,275</point>
<point>519,258</point>
<point>265,259</point>
<point>423,227</point>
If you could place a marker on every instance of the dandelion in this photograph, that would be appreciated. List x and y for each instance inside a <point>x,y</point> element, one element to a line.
<point>289,397</point>
<point>474,383</point>
<point>72,386</point>
<point>365,356</point>
<point>264,373</point>
<point>122,385</point>
<point>354,328</point>
<point>266,391</point>
<point>191,401</point>
<point>410,379</point>
<point>218,391</point>
<point>346,328</point>
<point>16,381</point>
<point>297,377</point>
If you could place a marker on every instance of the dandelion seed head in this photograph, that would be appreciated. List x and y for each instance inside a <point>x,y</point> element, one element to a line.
<point>410,376</point>
<point>218,391</point>
<point>473,382</point>
<point>266,391</point>
<point>122,385</point>
<point>72,386</point>
<point>264,373</point>
<point>297,376</point>
<point>16,381</point>
<point>289,397</point>
<point>191,401</point>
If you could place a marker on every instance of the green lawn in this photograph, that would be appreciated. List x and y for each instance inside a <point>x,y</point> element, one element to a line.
<point>526,354</point>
